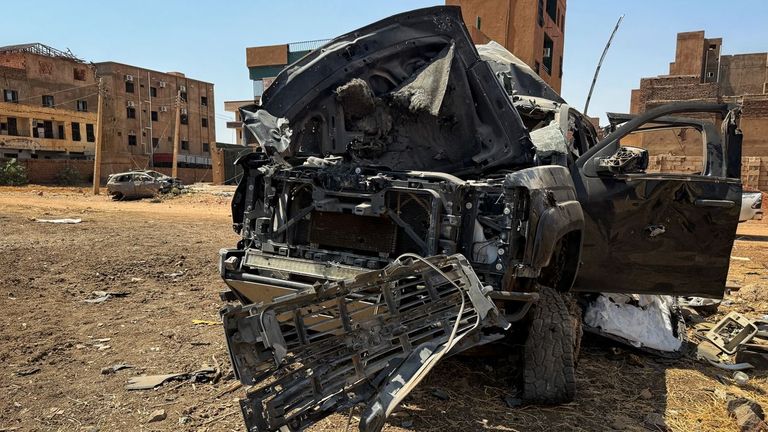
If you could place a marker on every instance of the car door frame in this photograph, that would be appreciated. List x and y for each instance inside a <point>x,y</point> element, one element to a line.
<point>661,233</point>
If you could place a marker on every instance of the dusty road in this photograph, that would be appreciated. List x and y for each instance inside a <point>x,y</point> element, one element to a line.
<point>53,345</point>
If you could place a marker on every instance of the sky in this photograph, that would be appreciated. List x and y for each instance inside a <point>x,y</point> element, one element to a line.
<point>207,40</point>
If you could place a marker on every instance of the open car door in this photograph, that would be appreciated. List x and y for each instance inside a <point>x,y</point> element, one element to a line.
<point>661,232</point>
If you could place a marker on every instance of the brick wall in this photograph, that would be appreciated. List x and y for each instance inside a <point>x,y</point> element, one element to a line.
<point>45,171</point>
<point>754,170</point>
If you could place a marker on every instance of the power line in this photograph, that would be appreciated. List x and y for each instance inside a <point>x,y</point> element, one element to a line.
<point>59,91</point>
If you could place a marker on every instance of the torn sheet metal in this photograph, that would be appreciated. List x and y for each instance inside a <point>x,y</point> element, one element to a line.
<point>366,340</point>
<point>644,321</point>
<point>731,332</point>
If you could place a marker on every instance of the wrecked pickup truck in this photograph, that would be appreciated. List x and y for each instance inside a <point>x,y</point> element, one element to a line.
<point>416,196</point>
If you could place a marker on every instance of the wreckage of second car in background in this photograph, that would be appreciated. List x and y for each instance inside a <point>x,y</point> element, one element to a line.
<point>416,196</point>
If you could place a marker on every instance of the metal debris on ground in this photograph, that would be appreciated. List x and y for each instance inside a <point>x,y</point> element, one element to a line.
<point>731,332</point>
<point>60,221</point>
<point>114,368</point>
<point>102,296</point>
<point>148,382</point>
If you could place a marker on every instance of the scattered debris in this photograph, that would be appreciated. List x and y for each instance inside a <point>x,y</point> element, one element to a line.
<point>740,378</point>
<point>114,368</point>
<point>440,394</point>
<point>731,332</point>
<point>649,322</point>
<point>28,371</point>
<point>59,221</point>
<point>704,306</point>
<point>102,296</point>
<point>513,402</point>
<point>737,258</point>
<point>174,275</point>
<point>148,382</point>
<point>157,415</point>
<point>210,323</point>
<point>748,414</point>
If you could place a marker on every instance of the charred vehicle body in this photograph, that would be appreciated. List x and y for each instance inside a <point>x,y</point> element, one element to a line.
<point>416,196</point>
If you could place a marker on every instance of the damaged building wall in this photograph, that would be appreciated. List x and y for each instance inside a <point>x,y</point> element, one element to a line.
<point>700,72</point>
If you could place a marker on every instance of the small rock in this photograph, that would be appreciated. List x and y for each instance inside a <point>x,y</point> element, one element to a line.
<point>656,421</point>
<point>646,394</point>
<point>28,371</point>
<point>407,424</point>
<point>184,420</point>
<point>748,414</point>
<point>440,394</point>
<point>136,279</point>
<point>513,402</point>
<point>157,415</point>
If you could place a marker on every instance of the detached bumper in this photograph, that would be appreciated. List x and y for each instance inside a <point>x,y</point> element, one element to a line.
<point>365,340</point>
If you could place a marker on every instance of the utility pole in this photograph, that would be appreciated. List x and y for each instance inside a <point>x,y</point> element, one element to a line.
<point>97,144</point>
<point>176,132</point>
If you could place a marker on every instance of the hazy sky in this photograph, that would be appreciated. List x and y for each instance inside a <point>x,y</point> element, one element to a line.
<point>207,40</point>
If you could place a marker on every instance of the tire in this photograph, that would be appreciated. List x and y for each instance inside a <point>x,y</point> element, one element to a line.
<point>551,348</point>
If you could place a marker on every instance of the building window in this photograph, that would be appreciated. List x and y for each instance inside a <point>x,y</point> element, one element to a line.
<point>184,118</point>
<point>82,105</point>
<point>546,58</point>
<point>183,95</point>
<point>552,9</point>
<point>11,96</point>
<point>206,148</point>
<point>710,74</point>
<point>204,100</point>
<point>153,91</point>
<point>130,112</point>
<point>154,115</point>
<point>540,13</point>
<point>12,126</point>
<point>184,145</point>
<point>205,122</point>
<point>90,136</point>
<point>75,131</point>
<point>131,139</point>
<point>79,74</point>
<point>129,86</point>
<point>47,100</point>
<point>155,142</point>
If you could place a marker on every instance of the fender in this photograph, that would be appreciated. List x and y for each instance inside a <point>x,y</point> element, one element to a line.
<point>554,210</point>
<point>554,224</point>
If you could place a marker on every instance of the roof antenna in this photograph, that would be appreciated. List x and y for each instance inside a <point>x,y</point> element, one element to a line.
<point>600,63</point>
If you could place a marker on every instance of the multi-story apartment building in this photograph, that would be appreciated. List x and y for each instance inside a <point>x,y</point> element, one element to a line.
<point>139,117</point>
<point>48,104</point>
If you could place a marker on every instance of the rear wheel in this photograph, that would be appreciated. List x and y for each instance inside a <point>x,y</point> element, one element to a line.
<point>551,348</point>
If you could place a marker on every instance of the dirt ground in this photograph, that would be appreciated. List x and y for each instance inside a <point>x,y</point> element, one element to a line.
<point>53,345</point>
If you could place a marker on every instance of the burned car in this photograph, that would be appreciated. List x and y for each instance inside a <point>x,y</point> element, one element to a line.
<point>416,196</point>
<point>133,185</point>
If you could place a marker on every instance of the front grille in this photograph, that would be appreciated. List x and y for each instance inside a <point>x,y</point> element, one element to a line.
<point>349,231</point>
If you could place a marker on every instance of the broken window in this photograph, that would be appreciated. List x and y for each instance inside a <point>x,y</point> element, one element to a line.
<point>90,136</point>
<point>129,86</point>
<point>154,115</point>
<point>540,13</point>
<point>130,112</point>
<point>82,105</point>
<point>184,145</point>
<point>546,59</point>
<point>47,100</point>
<point>204,121</point>
<point>153,91</point>
<point>183,95</point>
<point>132,139</point>
<point>206,148</point>
<point>75,131</point>
<point>552,9</point>
<point>11,96</point>
<point>184,118</point>
<point>79,74</point>
<point>204,100</point>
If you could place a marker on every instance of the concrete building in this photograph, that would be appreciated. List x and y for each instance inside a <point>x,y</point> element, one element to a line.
<point>139,118</point>
<point>49,103</point>
<point>701,72</point>
<point>533,30</point>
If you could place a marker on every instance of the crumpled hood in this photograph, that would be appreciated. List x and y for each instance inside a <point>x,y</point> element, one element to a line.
<point>406,93</point>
